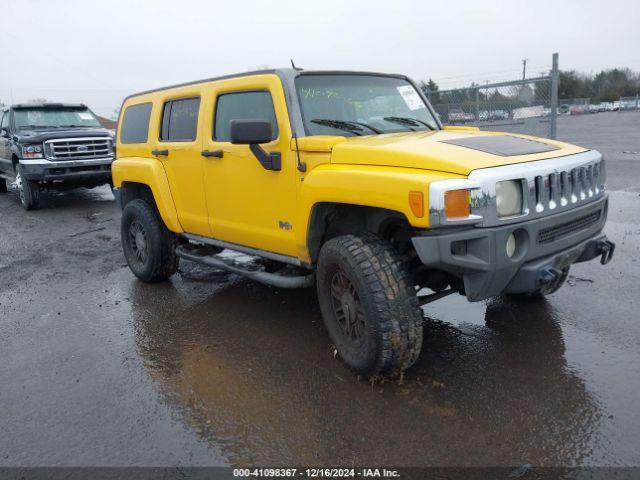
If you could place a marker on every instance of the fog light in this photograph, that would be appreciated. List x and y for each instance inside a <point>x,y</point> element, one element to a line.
<point>510,247</point>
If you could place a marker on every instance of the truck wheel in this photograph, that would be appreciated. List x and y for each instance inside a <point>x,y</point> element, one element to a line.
<point>546,290</point>
<point>3,185</point>
<point>148,245</point>
<point>29,191</point>
<point>369,304</point>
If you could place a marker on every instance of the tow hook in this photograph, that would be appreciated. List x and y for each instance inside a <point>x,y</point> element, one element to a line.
<point>606,248</point>
<point>548,276</point>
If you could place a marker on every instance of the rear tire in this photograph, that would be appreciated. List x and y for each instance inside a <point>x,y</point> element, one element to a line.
<point>369,304</point>
<point>28,191</point>
<point>148,245</point>
<point>3,185</point>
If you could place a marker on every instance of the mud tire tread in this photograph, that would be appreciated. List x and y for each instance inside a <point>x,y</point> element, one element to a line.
<point>389,300</point>
<point>164,261</point>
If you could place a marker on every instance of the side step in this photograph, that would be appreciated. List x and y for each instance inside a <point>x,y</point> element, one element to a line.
<point>201,254</point>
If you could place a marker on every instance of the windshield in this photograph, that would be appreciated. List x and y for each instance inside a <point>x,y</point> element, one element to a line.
<point>361,105</point>
<point>54,118</point>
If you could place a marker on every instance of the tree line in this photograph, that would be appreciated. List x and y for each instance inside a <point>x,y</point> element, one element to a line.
<point>606,86</point>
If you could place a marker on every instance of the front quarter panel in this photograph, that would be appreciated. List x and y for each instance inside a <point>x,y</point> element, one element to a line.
<point>150,172</point>
<point>364,185</point>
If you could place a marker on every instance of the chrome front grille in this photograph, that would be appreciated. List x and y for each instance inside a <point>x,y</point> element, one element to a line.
<point>565,187</point>
<point>549,186</point>
<point>78,148</point>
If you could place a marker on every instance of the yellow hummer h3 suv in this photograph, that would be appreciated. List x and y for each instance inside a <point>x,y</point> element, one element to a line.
<point>348,181</point>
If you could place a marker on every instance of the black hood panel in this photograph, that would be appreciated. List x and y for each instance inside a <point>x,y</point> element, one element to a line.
<point>503,145</point>
<point>37,136</point>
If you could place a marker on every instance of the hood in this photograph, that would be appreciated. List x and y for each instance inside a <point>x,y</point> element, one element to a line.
<point>452,151</point>
<point>37,136</point>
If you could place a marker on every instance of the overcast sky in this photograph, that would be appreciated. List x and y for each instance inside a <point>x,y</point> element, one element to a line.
<point>99,51</point>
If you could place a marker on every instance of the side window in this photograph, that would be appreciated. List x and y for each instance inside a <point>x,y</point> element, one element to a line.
<point>135,124</point>
<point>180,120</point>
<point>243,105</point>
<point>5,120</point>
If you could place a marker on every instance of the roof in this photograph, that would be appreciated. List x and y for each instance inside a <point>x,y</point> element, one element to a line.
<point>48,105</point>
<point>282,72</point>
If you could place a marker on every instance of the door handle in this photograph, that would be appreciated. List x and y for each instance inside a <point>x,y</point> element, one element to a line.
<point>158,153</point>
<point>215,153</point>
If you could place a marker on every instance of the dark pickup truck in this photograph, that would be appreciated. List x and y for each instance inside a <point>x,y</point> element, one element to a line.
<point>52,146</point>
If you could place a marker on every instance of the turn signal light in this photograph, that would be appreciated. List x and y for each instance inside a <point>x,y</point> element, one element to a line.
<point>416,202</point>
<point>457,203</point>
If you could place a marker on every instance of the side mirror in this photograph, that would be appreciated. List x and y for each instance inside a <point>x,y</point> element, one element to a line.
<point>4,132</point>
<point>252,132</point>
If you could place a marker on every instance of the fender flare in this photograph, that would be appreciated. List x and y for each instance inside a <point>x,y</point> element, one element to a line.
<point>149,172</point>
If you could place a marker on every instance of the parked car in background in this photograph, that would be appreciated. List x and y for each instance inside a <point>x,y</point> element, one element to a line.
<point>578,109</point>
<point>457,115</point>
<point>485,115</point>
<point>52,146</point>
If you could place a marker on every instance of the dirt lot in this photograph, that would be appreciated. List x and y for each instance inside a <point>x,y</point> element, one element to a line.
<point>97,368</point>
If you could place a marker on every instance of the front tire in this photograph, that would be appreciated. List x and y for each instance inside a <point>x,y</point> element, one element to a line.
<point>149,247</point>
<point>29,191</point>
<point>3,185</point>
<point>369,305</point>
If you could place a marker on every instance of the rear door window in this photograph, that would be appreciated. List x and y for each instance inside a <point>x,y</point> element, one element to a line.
<point>180,120</point>
<point>240,106</point>
<point>135,124</point>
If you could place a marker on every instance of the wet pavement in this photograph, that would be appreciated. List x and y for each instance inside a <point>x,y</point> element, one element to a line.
<point>97,368</point>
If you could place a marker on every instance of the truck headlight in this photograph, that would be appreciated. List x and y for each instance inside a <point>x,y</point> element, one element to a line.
<point>33,150</point>
<point>509,198</point>
<point>451,202</point>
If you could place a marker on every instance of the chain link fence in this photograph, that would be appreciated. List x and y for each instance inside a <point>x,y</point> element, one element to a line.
<point>629,103</point>
<point>528,106</point>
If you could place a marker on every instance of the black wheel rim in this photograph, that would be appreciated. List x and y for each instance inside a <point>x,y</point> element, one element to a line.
<point>347,307</point>
<point>138,240</point>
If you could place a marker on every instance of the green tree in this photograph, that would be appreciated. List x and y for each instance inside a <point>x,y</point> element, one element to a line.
<point>571,85</point>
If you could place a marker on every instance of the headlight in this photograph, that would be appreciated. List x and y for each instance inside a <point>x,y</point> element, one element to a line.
<point>509,198</point>
<point>32,151</point>
<point>451,202</point>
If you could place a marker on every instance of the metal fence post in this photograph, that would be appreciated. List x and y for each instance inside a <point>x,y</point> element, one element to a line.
<point>555,74</point>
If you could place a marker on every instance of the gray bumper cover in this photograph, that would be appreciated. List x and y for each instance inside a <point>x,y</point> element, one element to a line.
<point>481,261</point>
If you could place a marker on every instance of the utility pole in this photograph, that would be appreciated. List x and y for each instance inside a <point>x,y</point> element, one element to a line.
<point>555,79</point>
<point>524,68</point>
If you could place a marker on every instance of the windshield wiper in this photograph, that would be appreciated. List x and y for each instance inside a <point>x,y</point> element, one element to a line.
<point>406,121</point>
<point>38,126</point>
<point>350,125</point>
<point>76,126</point>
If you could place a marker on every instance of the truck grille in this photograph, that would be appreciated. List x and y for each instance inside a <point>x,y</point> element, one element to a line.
<point>549,186</point>
<point>559,189</point>
<point>78,148</point>
<point>551,234</point>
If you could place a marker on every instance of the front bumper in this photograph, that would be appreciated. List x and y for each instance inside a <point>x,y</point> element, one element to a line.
<point>94,171</point>
<point>544,246</point>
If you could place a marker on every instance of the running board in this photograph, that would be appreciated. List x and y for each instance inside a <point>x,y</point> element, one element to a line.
<point>432,297</point>
<point>200,255</point>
